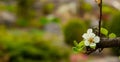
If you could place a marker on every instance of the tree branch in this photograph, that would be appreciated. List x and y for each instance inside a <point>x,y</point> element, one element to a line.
<point>100,20</point>
<point>107,43</point>
<point>104,43</point>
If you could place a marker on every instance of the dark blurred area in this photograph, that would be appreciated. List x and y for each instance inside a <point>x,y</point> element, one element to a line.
<point>44,30</point>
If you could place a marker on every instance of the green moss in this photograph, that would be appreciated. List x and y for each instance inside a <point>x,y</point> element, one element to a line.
<point>74,30</point>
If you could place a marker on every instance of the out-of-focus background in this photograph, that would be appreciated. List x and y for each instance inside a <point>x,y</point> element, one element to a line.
<point>44,30</point>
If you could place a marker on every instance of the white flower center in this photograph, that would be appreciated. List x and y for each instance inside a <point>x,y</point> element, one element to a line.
<point>91,40</point>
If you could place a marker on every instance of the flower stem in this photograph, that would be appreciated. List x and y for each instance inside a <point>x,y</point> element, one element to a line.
<point>100,20</point>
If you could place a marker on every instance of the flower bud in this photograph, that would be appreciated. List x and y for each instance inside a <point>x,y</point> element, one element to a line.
<point>98,1</point>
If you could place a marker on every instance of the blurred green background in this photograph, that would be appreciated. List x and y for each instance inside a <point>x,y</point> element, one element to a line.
<point>44,30</point>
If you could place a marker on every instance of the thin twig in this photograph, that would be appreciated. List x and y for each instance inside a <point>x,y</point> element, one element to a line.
<point>100,20</point>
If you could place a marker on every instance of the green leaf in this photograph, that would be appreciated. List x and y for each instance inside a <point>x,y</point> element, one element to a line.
<point>79,47</point>
<point>75,43</point>
<point>112,35</point>
<point>75,49</point>
<point>81,44</point>
<point>104,31</point>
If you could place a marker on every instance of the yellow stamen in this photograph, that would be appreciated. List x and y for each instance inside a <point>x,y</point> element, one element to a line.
<point>90,40</point>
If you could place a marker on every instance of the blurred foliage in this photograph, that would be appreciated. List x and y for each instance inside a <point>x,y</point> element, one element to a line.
<point>86,7</point>
<point>42,21</point>
<point>114,27</point>
<point>22,46</point>
<point>108,10</point>
<point>24,9</point>
<point>108,14</point>
<point>48,8</point>
<point>9,8</point>
<point>22,22</point>
<point>74,30</point>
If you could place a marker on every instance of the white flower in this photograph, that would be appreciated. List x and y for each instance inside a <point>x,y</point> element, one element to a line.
<point>90,39</point>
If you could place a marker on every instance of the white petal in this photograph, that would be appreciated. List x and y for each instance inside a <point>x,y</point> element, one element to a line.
<point>86,43</point>
<point>96,39</point>
<point>85,36</point>
<point>92,44</point>
<point>89,31</point>
<point>91,35</point>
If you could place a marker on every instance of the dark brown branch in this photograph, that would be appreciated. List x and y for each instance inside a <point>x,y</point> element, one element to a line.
<point>100,20</point>
<point>104,43</point>
<point>108,43</point>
